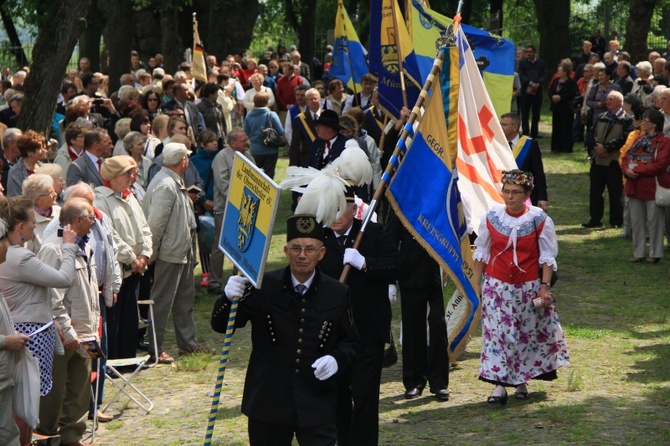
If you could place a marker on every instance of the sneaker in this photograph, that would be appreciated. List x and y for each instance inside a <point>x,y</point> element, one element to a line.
<point>205,279</point>
<point>198,348</point>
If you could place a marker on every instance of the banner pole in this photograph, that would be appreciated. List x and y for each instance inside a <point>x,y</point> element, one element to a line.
<point>223,361</point>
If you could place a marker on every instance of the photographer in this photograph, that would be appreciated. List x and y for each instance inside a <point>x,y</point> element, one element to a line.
<point>642,86</point>
<point>605,139</point>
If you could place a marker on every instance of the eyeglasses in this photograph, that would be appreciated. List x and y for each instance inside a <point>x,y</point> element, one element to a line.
<point>90,218</point>
<point>152,100</point>
<point>308,250</point>
<point>513,192</point>
<point>49,194</point>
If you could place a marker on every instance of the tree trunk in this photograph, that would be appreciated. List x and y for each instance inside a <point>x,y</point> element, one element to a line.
<point>237,18</point>
<point>89,41</point>
<point>553,19</point>
<point>13,36</point>
<point>120,25</point>
<point>170,44</point>
<point>306,33</point>
<point>64,22</point>
<point>637,27</point>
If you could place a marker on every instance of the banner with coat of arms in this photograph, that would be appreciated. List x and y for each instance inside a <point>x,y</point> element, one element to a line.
<point>253,200</point>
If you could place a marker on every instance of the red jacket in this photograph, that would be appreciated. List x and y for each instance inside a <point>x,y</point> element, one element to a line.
<point>285,96</point>
<point>647,166</point>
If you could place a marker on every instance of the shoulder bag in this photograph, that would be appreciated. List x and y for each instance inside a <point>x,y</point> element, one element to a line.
<point>269,135</point>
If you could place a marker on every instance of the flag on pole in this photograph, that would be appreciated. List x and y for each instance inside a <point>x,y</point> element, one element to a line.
<point>494,55</point>
<point>483,151</point>
<point>349,64</point>
<point>391,47</point>
<point>199,70</point>
<point>425,195</point>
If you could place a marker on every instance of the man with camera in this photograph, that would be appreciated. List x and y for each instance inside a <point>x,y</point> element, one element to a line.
<point>605,139</point>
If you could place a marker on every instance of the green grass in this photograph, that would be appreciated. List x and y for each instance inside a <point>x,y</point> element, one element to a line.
<point>616,392</point>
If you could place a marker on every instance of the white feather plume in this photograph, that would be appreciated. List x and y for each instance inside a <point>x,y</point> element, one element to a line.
<point>353,164</point>
<point>298,176</point>
<point>323,197</point>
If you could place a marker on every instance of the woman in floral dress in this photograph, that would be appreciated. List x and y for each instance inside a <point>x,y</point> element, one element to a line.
<point>516,254</point>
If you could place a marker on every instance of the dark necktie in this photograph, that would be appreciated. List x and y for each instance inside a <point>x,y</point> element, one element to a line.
<point>342,239</point>
<point>99,164</point>
<point>511,145</point>
<point>300,289</point>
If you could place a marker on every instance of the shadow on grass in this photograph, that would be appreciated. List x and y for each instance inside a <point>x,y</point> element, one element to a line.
<point>538,420</point>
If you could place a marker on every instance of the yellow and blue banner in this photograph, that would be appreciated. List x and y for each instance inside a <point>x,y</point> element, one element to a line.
<point>424,193</point>
<point>391,47</point>
<point>494,55</point>
<point>349,64</point>
<point>253,200</point>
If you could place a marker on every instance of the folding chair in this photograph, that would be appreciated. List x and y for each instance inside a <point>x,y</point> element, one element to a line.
<point>146,323</point>
<point>124,384</point>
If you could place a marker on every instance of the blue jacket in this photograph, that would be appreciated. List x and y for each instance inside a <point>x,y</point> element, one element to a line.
<point>253,124</point>
<point>203,164</point>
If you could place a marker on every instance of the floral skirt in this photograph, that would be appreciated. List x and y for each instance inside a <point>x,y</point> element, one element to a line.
<point>42,347</point>
<point>519,342</point>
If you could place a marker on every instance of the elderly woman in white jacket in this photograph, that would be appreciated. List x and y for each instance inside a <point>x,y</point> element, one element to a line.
<point>256,81</point>
<point>134,243</point>
<point>39,188</point>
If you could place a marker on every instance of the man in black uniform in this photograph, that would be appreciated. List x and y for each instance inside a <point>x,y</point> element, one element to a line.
<point>420,290</point>
<point>375,265</point>
<point>303,334</point>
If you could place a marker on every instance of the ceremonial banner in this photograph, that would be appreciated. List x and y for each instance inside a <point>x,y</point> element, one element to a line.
<point>494,55</point>
<point>390,46</point>
<point>425,195</point>
<point>199,70</point>
<point>349,64</point>
<point>253,200</point>
<point>483,151</point>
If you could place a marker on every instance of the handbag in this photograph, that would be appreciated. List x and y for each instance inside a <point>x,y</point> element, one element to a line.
<point>390,354</point>
<point>662,196</point>
<point>26,394</point>
<point>269,135</point>
<point>554,276</point>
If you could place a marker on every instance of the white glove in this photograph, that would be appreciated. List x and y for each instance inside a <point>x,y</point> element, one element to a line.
<point>393,294</point>
<point>324,367</point>
<point>354,258</point>
<point>235,286</point>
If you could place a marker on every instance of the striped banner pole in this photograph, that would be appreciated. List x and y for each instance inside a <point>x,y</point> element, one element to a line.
<point>222,371</point>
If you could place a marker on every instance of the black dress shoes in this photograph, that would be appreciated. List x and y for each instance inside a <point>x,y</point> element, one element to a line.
<point>413,393</point>
<point>442,394</point>
<point>592,224</point>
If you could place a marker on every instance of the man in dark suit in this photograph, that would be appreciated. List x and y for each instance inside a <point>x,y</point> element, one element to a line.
<point>98,146</point>
<point>423,362</point>
<point>329,144</point>
<point>304,130</point>
<point>303,339</point>
<point>191,113</point>
<point>374,265</point>
<point>528,157</point>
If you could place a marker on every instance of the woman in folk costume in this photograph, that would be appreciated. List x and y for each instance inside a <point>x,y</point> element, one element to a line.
<point>516,254</point>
